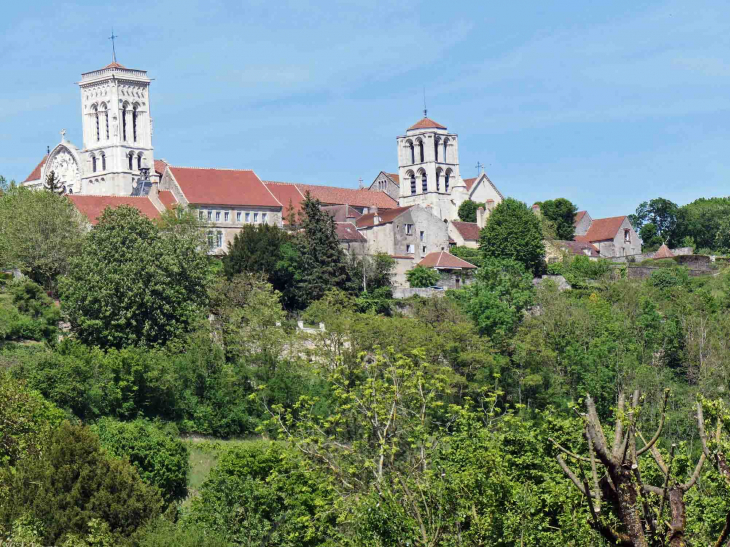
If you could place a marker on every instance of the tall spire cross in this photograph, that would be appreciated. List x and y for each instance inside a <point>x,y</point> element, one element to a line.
<point>425,110</point>
<point>480,168</point>
<point>114,51</point>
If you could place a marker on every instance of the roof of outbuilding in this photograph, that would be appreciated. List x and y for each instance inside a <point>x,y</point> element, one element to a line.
<point>426,123</point>
<point>602,229</point>
<point>346,231</point>
<point>384,217</point>
<point>578,247</point>
<point>93,206</point>
<point>468,230</point>
<point>36,173</point>
<point>223,187</point>
<point>445,261</point>
<point>664,252</point>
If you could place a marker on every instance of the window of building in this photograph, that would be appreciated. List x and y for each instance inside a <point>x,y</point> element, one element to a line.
<point>96,115</point>
<point>424,182</point>
<point>264,216</point>
<point>436,150</point>
<point>446,181</point>
<point>255,217</point>
<point>248,217</point>
<point>421,151</point>
<point>210,215</point>
<point>134,123</point>
<point>217,216</point>
<point>423,249</point>
<point>130,158</point>
<point>410,249</point>
<point>200,215</point>
<point>238,216</point>
<point>627,235</point>
<point>421,235</point>
<point>409,229</point>
<point>226,216</point>
<point>211,239</point>
<point>93,164</point>
<point>106,118</point>
<point>413,184</point>
<point>139,162</point>
<point>413,153</point>
<point>103,161</point>
<point>124,123</point>
<point>219,239</point>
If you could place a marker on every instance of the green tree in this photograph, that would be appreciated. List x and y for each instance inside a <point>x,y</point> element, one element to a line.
<point>472,256</point>
<point>134,284</point>
<point>322,261</point>
<point>650,238</point>
<point>71,483</point>
<point>468,210</point>
<point>421,276</point>
<point>156,451</point>
<point>258,249</point>
<point>39,233</point>
<point>660,212</point>
<point>513,232</point>
<point>562,213</point>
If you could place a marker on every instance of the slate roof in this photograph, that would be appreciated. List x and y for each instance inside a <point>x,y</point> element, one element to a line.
<point>167,198</point>
<point>223,187</point>
<point>93,206</point>
<point>602,229</point>
<point>664,252</point>
<point>346,231</point>
<point>445,261</point>
<point>36,173</point>
<point>578,247</point>
<point>468,230</point>
<point>426,123</point>
<point>389,215</point>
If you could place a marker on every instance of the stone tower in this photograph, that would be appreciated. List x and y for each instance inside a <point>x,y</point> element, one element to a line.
<point>428,167</point>
<point>117,128</point>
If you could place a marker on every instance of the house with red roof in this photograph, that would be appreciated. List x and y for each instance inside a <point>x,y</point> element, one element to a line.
<point>610,237</point>
<point>455,272</point>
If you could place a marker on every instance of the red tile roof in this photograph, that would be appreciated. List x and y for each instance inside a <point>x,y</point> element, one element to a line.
<point>402,257</point>
<point>426,123</point>
<point>444,260</point>
<point>160,166</point>
<point>286,194</point>
<point>167,198</point>
<point>468,230</point>
<point>602,229</point>
<point>579,216</point>
<point>223,187</point>
<point>332,195</point>
<point>664,252</point>
<point>346,231</point>
<point>36,174</point>
<point>93,206</point>
<point>114,65</point>
<point>470,182</point>
<point>389,215</point>
<point>395,177</point>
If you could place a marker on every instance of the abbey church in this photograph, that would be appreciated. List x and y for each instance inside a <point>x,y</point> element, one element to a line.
<point>411,215</point>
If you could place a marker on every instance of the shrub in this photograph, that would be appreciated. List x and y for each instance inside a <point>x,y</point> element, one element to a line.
<point>156,451</point>
<point>666,278</point>
<point>420,277</point>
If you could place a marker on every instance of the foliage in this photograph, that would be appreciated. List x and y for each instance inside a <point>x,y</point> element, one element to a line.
<point>472,256</point>
<point>39,234</point>
<point>156,451</point>
<point>71,483</point>
<point>420,277</point>
<point>513,232</point>
<point>468,210</point>
<point>263,494</point>
<point>667,278</point>
<point>562,213</point>
<point>660,212</point>
<point>369,273</point>
<point>28,314</point>
<point>701,221</point>
<point>133,283</point>
<point>580,271</point>
<point>650,238</point>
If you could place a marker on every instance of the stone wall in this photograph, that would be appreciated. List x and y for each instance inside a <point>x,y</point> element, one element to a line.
<point>406,292</point>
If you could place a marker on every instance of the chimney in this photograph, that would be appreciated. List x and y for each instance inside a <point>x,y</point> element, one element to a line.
<point>481,217</point>
<point>374,211</point>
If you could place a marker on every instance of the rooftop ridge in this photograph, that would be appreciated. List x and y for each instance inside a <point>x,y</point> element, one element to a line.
<point>210,168</point>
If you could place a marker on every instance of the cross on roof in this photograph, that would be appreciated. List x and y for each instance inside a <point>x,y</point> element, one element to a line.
<point>114,51</point>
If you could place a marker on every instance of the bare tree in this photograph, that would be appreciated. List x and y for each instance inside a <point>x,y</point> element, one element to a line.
<point>640,507</point>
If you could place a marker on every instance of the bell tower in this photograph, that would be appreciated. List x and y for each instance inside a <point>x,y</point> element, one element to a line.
<point>428,166</point>
<point>117,128</point>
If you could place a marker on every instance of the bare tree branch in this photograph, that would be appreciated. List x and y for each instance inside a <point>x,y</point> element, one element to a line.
<point>619,429</point>
<point>572,477</point>
<point>568,452</point>
<point>656,454</point>
<point>654,439</point>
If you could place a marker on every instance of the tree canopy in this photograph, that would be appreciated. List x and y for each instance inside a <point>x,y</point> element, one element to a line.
<point>468,210</point>
<point>561,212</point>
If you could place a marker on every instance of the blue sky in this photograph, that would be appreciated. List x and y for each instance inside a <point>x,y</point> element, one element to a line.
<point>607,104</point>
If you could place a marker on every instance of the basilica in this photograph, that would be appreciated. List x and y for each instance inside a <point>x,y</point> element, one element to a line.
<point>412,215</point>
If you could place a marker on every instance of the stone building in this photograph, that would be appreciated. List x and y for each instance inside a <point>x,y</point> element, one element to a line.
<point>388,183</point>
<point>455,272</point>
<point>613,236</point>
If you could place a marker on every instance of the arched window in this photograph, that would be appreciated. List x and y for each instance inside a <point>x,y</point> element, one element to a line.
<point>130,157</point>
<point>438,178</point>
<point>134,123</point>
<point>139,161</point>
<point>413,152</point>
<point>96,120</point>
<point>124,124</point>
<point>446,157</point>
<point>106,119</point>
<point>413,183</point>
<point>436,153</point>
<point>446,180</point>
<point>420,150</point>
<point>103,161</point>
<point>93,163</point>
<point>424,182</point>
